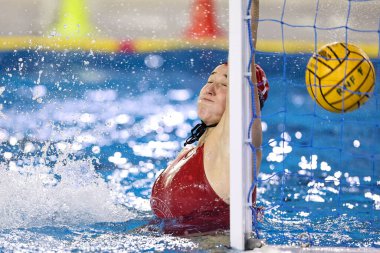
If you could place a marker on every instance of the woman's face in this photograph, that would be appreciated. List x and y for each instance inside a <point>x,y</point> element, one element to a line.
<point>212,97</point>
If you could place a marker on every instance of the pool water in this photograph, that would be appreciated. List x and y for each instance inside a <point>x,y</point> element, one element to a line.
<point>84,135</point>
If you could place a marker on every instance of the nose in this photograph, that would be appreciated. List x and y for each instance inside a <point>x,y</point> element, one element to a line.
<point>210,88</point>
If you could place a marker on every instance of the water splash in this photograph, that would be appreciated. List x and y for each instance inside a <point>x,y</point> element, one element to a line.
<point>69,192</point>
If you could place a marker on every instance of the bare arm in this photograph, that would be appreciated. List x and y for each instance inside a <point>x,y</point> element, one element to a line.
<point>217,148</point>
<point>257,137</point>
<point>256,132</point>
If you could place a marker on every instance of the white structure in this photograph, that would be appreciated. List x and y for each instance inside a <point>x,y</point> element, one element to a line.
<point>240,153</point>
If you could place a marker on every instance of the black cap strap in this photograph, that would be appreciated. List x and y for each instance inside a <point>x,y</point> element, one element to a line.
<point>197,132</point>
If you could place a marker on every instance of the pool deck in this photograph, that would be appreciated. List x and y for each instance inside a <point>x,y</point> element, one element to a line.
<point>146,26</point>
<point>106,45</point>
<point>289,249</point>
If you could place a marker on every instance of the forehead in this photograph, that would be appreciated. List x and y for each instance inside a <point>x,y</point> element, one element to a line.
<point>221,69</point>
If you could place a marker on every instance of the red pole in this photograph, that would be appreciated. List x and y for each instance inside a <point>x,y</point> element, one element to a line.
<point>203,21</point>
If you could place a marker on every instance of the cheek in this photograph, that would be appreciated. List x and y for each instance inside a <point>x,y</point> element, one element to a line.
<point>223,101</point>
<point>223,108</point>
<point>202,90</point>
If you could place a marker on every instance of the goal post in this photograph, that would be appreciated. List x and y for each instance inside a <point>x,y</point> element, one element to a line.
<point>240,113</point>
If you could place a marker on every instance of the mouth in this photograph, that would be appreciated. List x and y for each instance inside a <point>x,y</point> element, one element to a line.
<point>206,99</point>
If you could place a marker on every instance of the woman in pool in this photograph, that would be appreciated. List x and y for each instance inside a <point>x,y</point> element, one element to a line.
<point>192,194</point>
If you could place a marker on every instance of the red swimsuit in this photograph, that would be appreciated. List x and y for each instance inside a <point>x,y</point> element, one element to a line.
<point>183,198</point>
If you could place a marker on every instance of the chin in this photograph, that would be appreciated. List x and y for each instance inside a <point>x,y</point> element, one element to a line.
<point>209,121</point>
<point>203,113</point>
<point>207,117</point>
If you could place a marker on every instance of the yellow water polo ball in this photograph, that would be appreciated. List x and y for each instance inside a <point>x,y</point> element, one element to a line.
<point>340,77</point>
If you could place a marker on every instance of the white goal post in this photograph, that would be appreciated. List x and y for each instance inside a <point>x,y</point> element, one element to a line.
<point>240,114</point>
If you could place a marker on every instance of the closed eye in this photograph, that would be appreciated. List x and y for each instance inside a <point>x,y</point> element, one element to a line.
<point>224,84</point>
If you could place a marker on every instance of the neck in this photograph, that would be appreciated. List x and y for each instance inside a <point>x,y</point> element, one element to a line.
<point>203,138</point>
<point>210,128</point>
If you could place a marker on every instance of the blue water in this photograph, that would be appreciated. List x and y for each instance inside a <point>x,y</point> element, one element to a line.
<point>83,136</point>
